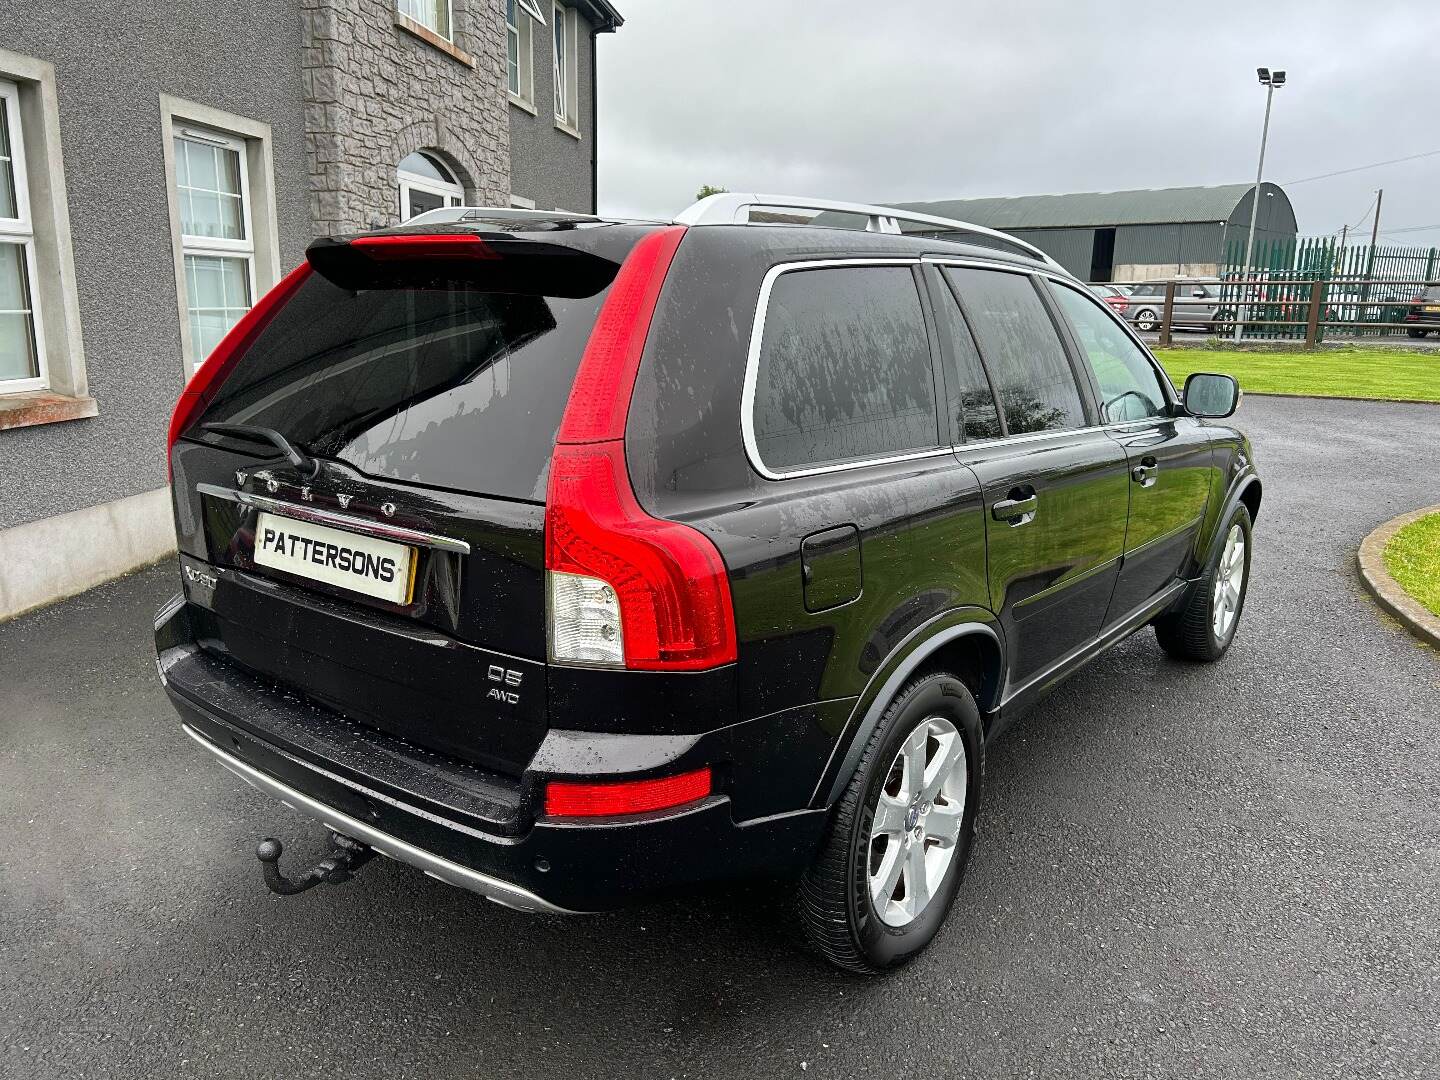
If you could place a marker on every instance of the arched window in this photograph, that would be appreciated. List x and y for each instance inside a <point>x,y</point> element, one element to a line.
<point>426,184</point>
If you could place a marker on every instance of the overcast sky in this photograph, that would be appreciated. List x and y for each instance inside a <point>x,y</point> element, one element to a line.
<point>907,100</point>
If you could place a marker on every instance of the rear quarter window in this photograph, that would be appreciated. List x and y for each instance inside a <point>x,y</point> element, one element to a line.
<point>844,370</point>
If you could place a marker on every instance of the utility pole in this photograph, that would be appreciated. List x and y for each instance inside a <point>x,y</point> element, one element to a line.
<point>1370,261</point>
<point>1271,82</point>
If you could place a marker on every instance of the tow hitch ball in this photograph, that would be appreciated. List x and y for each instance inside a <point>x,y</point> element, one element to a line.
<point>346,856</point>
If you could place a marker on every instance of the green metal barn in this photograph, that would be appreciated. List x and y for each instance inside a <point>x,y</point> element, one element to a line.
<point>1132,235</point>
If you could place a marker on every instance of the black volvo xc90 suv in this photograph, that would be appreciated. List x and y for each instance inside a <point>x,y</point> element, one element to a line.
<point>572,560</point>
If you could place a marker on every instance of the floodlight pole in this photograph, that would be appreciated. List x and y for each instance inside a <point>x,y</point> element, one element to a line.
<point>1244,311</point>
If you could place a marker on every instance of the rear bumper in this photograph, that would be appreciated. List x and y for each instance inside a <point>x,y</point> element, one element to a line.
<point>457,823</point>
<point>452,873</point>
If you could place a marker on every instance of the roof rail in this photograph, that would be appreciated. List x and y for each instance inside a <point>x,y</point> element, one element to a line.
<point>732,208</point>
<point>458,214</point>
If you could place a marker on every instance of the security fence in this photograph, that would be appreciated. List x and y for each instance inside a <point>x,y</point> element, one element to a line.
<point>1284,306</point>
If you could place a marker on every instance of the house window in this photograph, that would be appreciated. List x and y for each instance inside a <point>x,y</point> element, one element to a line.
<point>431,14</point>
<point>22,355</point>
<point>213,200</point>
<point>520,19</point>
<point>426,184</point>
<point>567,107</point>
<point>42,352</point>
<point>223,226</point>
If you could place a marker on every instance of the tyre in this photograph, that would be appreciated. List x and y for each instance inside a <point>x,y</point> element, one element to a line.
<point>1204,625</point>
<point>895,851</point>
<point>1146,320</point>
<point>1416,332</point>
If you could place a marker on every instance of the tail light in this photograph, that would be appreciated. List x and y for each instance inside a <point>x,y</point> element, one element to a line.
<point>200,390</point>
<point>568,799</point>
<point>625,589</point>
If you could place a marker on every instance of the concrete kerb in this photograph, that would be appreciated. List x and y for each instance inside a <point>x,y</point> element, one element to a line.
<point>1386,590</point>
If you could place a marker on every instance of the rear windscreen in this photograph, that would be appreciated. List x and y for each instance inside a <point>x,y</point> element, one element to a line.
<point>446,385</point>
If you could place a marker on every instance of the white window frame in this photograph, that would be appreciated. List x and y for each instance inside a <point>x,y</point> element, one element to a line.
<point>411,10</point>
<point>522,30</point>
<point>565,70</point>
<point>188,119</point>
<point>214,245</point>
<point>19,232</point>
<point>450,194</point>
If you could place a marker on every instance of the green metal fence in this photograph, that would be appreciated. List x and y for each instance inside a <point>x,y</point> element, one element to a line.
<point>1361,284</point>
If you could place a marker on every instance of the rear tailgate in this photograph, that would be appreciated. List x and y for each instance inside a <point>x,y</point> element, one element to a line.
<point>396,573</point>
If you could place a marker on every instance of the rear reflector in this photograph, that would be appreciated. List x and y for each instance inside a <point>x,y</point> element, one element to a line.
<point>208,377</point>
<point>567,799</point>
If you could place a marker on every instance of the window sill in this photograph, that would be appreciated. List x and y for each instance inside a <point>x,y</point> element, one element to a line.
<point>561,125</point>
<point>425,34</point>
<point>521,103</point>
<point>43,407</point>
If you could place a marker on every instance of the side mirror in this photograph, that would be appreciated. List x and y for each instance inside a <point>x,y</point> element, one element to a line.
<point>1199,293</point>
<point>1211,396</point>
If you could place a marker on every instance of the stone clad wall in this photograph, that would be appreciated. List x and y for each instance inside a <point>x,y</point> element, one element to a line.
<point>376,91</point>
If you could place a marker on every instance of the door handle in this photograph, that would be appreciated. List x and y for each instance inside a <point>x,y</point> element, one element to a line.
<point>1019,511</point>
<point>1144,473</point>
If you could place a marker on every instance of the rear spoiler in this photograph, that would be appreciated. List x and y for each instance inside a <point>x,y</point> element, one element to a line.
<point>444,258</point>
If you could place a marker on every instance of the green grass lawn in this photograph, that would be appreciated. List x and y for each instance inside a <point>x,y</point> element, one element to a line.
<point>1413,558</point>
<point>1392,374</point>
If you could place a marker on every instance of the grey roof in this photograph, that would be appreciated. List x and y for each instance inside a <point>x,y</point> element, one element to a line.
<point>1148,206</point>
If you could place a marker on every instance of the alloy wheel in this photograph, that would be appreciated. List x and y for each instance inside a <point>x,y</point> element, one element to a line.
<point>1229,579</point>
<point>916,827</point>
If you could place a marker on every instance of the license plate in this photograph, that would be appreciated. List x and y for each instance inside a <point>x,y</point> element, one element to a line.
<point>347,560</point>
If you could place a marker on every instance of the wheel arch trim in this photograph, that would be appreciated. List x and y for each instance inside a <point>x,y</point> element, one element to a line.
<point>903,661</point>
<point>1239,487</point>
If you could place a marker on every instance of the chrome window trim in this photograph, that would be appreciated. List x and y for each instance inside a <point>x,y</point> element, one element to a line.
<point>752,371</point>
<point>396,533</point>
<point>752,375</point>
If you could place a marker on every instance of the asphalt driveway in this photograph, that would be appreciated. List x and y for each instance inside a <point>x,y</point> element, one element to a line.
<point>1202,871</point>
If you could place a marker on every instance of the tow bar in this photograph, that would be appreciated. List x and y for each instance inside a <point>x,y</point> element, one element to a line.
<point>345,858</point>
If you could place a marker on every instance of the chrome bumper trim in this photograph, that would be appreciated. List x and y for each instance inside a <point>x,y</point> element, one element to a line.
<point>492,888</point>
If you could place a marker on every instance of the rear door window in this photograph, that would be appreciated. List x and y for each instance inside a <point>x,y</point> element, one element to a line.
<point>444,385</point>
<point>844,371</point>
<point>1022,350</point>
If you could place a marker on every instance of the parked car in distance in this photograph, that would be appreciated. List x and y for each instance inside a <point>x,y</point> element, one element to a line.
<point>1117,296</point>
<point>1197,303</point>
<point>576,561</point>
<point>1424,313</point>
